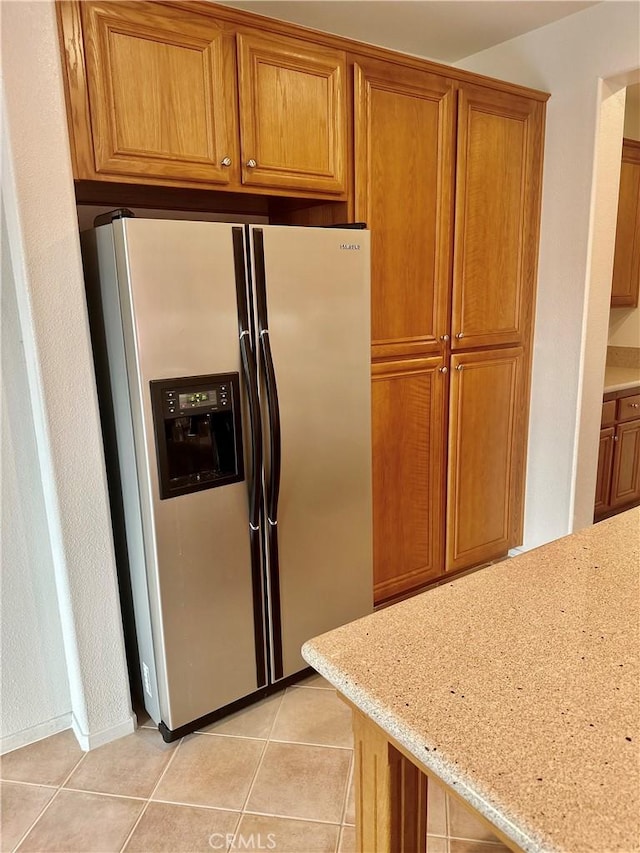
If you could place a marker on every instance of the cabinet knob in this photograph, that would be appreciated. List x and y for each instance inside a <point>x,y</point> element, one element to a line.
<point>444,338</point>
<point>251,163</point>
<point>615,437</point>
<point>459,335</point>
<point>226,161</point>
<point>443,370</point>
<point>634,405</point>
<point>459,366</point>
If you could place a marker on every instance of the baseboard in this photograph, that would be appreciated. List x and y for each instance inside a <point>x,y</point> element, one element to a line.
<point>27,736</point>
<point>94,740</point>
<point>515,552</point>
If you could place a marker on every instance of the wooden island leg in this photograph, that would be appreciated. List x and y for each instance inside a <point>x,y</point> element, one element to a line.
<point>390,792</point>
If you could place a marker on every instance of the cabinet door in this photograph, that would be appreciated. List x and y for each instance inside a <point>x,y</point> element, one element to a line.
<point>487,434</point>
<point>498,182</point>
<point>626,260</point>
<point>408,474</point>
<point>605,468</point>
<point>292,113</point>
<point>161,92</point>
<point>625,485</point>
<point>404,148</point>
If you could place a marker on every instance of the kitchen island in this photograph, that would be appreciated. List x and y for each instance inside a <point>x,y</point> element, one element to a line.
<point>516,687</point>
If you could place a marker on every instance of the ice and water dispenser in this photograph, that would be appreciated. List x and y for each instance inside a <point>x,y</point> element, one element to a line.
<point>198,432</point>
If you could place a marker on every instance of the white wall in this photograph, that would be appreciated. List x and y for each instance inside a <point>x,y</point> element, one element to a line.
<point>34,687</point>
<point>568,59</point>
<point>43,245</point>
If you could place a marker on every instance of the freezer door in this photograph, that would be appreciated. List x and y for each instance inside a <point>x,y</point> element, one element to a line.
<point>314,330</point>
<point>179,311</point>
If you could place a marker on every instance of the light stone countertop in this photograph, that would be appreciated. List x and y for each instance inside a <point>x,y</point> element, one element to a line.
<point>620,378</point>
<point>518,686</point>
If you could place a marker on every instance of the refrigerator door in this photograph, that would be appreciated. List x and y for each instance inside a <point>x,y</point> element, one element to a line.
<point>178,301</point>
<point>314,330</point>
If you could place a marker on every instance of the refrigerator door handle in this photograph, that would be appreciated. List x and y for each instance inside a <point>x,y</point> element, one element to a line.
<point>251,382</point>
<point>275,454</point>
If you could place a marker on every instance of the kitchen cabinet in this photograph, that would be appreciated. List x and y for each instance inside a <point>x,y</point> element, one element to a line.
<point>408,398</point>
<point>158,94</point>
<point>454,228</point>
<point>626,262</point>
<point>497,199</point>
<point>485,461</point>
<point>618,477</point>
<point>404,137</point>
<point>292,113</point>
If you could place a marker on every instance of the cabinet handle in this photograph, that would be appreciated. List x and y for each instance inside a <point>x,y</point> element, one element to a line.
<point>459,366</point>
<point>444,338</point>
<point>226,161</point>
<point>443,370</point>
<point>634,405</point>
<point>459,335</point>
<point>251,163</point>
<point>615,437</point>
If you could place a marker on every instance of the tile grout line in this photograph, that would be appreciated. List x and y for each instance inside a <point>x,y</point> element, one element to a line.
<point>296,818</point>
<point>53,798</point>
<point>259,765</point>
<point>346,801</point>
<point>153,790</point>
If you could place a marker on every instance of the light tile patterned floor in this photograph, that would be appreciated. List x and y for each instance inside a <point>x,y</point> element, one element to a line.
<point>276,776</point>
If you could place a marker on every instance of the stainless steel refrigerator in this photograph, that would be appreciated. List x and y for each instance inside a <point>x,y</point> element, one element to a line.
<point>234,379</point>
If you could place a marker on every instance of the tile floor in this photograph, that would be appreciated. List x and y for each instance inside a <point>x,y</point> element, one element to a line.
<point>276,776</point>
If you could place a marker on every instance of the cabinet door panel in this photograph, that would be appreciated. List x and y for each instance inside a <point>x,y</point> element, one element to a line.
<point>408,474</point>
<point>404,182</point>
<point>626,261</point>
<point>293,113</point>
<point>486,437</point>
<point>161,92</point>
<point>497,213</point>
<point>625,486</point>
<point>605,467</point>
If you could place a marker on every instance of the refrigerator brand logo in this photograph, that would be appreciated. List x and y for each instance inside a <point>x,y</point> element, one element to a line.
<point>350,247</point>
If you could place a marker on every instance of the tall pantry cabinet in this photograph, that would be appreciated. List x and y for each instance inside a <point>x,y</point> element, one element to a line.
<point>447,178</point>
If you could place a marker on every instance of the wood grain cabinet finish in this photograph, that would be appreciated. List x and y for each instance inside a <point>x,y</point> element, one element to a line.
<point>293,113</point>
<point>486,462</point>
<point>626,261</point>
<point>408,401</point>
<point>404,139</point>
<point>605,470</point>
<point>161,92</point>
<point>625,483</point>
<point>496,222</point>
<point>165,93</point>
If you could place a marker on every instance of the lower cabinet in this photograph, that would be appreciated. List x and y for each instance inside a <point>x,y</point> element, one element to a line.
<point>618,478</point>
<point>625,482</point>
<point>442,504</point>
<point>486,456</point>
<point>408,399</point>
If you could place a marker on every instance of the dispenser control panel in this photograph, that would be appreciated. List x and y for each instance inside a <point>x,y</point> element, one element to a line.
<point>180,401</point>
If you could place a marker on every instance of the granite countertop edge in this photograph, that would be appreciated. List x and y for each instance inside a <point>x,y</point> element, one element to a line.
<point>527,839</point>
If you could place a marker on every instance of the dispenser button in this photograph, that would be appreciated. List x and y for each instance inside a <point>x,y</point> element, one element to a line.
<point>169,394</point>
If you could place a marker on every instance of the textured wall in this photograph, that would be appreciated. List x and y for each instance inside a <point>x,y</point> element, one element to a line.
<point>34,686</point>
<point>45,255</point>
<point>566,58</point>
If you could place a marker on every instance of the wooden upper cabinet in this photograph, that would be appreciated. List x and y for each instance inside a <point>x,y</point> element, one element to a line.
<point>404,144</point>
<point>626,261</point>
<point>487,437</point>
<point>292,113</point>
<point>500,144</point>
<point>408,404</point>
<point>161,92</point>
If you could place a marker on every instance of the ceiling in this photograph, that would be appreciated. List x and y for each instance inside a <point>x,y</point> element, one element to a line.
<point>444,31</point>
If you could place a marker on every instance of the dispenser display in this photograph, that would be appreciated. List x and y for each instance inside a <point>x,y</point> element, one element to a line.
<point>198,432</point>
